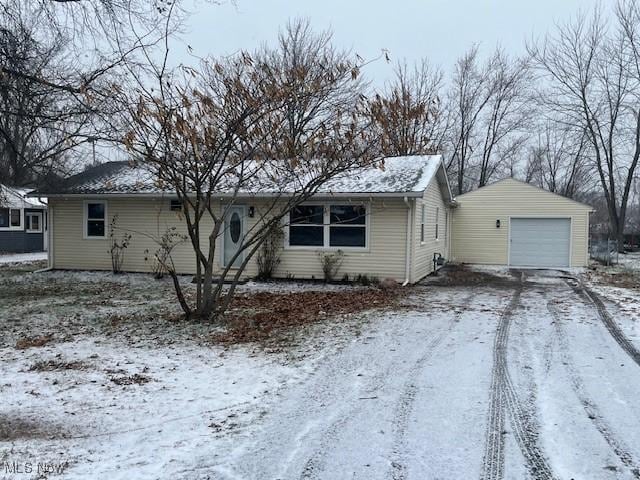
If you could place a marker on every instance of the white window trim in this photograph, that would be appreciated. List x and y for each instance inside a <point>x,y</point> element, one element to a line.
<point>85,220</point>
<point>12,228</point>
<point>28,228</point>
<point>437,225</point>
<point>326,225</point>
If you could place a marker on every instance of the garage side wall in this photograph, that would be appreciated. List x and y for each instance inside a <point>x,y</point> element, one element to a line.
<point>435,212</point>
<point>475,238</point>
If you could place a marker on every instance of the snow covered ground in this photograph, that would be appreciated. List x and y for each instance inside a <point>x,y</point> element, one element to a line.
<point>6,258</point>
<point>630,261</point>
<point>521,378</point>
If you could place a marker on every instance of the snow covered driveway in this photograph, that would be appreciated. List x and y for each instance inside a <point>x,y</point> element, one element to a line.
<point>526,375</point>
<point>523,380</point>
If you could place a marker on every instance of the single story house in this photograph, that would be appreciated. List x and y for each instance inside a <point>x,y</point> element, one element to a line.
<point>23,221</point>
<point>389,223</point>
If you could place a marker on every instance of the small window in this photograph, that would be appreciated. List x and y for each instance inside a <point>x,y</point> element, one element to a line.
<point>306,226</point>
<point>422,220</point>
<point>34,222</point>
<point>10,218</point>
<point>437,220</point>
<point>95,224</point>
<point>176,205</point>
<point>347,226</point>
<point>16,218</point>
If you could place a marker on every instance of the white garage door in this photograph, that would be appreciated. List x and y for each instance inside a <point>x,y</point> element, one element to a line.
<point>540,242</point>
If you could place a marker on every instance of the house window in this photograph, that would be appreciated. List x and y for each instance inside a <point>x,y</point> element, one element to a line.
<point>422,221</point>
<point>437,220</point>
<point>306,226</point>
<point>10,218</point>
<point>347,226</point>
<point>34,222</point>
<point>95,219</point>
<point>176,206</point>
<point>333,226</point>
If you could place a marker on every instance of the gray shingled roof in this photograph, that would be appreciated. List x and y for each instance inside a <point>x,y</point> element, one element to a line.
<point>409,174</point>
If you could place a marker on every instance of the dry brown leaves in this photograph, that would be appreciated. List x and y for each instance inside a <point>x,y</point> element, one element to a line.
<point>29,342</point>
<point>57,365</point>
<point>263,316</point>
<point>462,276</point>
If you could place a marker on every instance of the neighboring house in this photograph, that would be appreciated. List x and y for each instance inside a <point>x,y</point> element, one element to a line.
<point>393,221</point>
<point>23,221</point>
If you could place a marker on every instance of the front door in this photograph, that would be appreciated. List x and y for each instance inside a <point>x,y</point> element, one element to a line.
<point>233,236</point>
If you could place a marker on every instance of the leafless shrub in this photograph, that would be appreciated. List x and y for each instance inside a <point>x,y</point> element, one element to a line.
<point>119,244</point>
<point>331,263</point>
<point>268,258</point>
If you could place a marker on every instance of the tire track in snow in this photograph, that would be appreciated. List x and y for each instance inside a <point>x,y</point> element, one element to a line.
<point>404,406</point>
<point>315,464</point>
<point>592,411</point>
<point>504,399</point>
<point>606,318</point>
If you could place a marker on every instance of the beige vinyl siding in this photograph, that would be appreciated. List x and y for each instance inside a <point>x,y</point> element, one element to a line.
<point>475,238</point>
<point>422,252</point>
<point>142,218</point>
<point>383,258</point>
<point>150,217</point>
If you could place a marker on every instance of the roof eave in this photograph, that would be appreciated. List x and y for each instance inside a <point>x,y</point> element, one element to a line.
<point>228,195</point>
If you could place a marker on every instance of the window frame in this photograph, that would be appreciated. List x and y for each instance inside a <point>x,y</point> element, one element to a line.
<point>175,205</point>
<point>423,223</point>
<point>11,227</point>
<point>85,220</point>
<point>326,235</point>
<point>27,223</point>
<point>437,224</point>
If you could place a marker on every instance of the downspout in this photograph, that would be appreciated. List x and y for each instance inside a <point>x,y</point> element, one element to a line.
<point>407,266</point>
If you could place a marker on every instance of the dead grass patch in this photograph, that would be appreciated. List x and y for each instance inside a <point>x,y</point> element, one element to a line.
<point>463,276</point>
<point>135,379</point>
<point>264,316</point>
<point>19,428</point>
<point>622,279</point>
<point>29,342</point>
<point>57,365</point>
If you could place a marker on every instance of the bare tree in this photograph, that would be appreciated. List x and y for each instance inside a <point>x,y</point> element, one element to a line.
<point>408,113</point>
<point>593,70</point>
<point>506,115</point>
<point>468,97</point>
<point>558,162</point>
<point>278,121</point>
<point>489,113</point>
<point>59,60</point>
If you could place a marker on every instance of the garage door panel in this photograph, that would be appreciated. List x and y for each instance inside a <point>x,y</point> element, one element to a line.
<point>540,242</point>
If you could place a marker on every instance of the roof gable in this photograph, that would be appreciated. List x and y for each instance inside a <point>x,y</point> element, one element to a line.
<point>512,181</point>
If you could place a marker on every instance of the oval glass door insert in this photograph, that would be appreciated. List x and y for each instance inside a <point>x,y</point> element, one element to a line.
<point>235,227</point>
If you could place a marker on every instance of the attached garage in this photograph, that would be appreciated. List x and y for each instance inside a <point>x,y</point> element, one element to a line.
<point>516,224</point>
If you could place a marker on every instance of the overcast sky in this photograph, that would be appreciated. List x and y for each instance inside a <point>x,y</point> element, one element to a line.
<point>438,29</point>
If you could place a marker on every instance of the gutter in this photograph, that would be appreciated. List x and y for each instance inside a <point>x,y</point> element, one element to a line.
<point>319,195</point>
<point>407,253</point>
